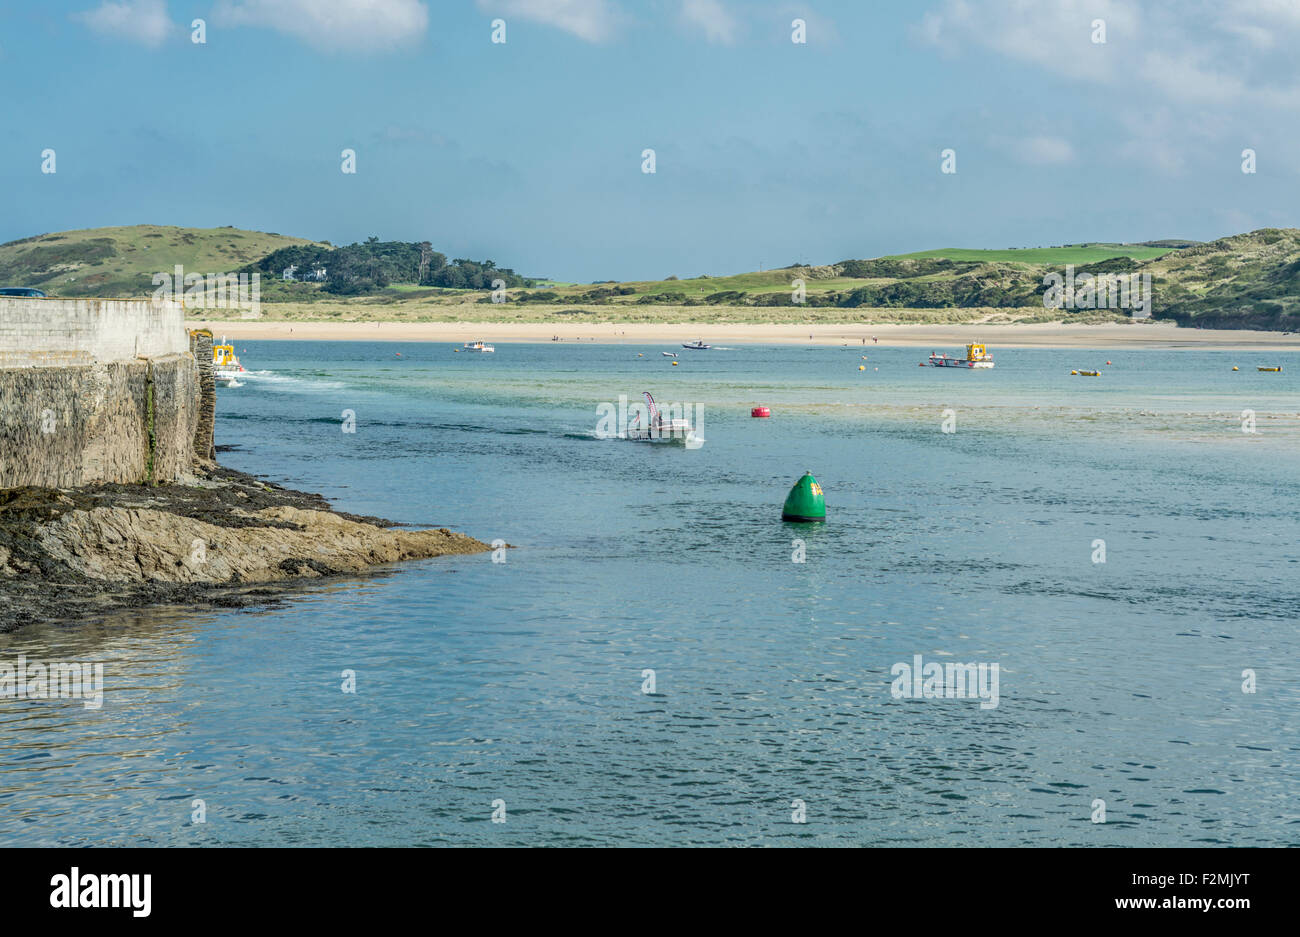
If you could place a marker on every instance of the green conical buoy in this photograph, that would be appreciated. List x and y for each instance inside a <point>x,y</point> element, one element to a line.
<point>805,502</point>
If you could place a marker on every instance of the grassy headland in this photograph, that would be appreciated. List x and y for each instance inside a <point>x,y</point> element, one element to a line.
<point>121,261</point>
<point>1248,281</point>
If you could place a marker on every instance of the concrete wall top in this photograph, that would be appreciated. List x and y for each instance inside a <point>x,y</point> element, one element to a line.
<point>45,332</point>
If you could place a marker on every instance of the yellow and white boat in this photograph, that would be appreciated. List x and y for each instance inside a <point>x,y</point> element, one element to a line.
<point>1277,368</point>
<point>977,356</point>
<point>226,368</point>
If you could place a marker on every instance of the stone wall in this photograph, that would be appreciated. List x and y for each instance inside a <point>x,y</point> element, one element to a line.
<point>205,429</point>
<point>95,391</point>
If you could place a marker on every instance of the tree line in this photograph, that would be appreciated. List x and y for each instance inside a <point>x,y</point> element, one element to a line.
<point>374,265</point>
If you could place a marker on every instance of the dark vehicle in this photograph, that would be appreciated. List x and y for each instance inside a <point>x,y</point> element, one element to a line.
<point>22,291</point>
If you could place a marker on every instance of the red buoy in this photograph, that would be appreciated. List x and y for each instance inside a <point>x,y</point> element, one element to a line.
<point>760,411</point>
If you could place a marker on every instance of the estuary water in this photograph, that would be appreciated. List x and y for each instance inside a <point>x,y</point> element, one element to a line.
<point>650,665</point>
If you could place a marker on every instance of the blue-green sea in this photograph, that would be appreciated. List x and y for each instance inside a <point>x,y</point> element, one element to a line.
<point>1161,682</point>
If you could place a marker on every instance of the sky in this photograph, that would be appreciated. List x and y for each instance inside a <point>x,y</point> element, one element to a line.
<point>767,151</point>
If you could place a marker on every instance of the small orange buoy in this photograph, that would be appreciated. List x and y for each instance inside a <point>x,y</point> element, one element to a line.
<point>760,412</point>
<point>674,364</point>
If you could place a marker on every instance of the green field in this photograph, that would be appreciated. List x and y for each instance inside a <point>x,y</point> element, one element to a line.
<point>1076,254</point>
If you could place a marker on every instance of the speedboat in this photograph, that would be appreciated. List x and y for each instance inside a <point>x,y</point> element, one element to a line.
<point>226,368</point>
<point>659,428</point>
<point>977,356</point>
<point>697,345</point>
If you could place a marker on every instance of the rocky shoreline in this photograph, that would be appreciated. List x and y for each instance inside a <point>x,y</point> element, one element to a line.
<point>222,539</point>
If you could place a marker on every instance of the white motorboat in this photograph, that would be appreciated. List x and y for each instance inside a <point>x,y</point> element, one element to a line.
<point>659,428</point>
<point>478,346</point>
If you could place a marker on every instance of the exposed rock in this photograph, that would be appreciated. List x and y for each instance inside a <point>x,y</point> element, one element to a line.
<point>119,544</point>
<point>67,553</point>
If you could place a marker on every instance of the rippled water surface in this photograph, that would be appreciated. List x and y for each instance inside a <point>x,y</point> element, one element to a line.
<point>522,681</point>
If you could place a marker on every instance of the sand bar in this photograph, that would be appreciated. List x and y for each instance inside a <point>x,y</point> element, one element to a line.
<point>1039,335</point>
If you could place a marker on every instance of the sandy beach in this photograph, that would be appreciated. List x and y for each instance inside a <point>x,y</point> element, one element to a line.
<point>1040,335</point>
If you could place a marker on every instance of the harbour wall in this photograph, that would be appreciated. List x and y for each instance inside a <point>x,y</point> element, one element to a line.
<point>95,391</point>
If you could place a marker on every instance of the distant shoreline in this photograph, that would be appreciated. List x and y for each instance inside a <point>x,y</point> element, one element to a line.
<point>1162,335</point>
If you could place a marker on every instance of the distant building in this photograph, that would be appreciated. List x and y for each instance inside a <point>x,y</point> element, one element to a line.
<point>288,272</point>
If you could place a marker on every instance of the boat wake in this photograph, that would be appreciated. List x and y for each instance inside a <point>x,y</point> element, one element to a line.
<point>290,382</point>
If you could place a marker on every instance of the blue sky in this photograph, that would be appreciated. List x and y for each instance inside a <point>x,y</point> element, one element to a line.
<point>767,152</point>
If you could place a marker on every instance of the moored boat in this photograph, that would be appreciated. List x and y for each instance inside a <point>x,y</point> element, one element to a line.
<point>977,356</point>
<point>1275,368</point>
<point>697,345</point>
<point>226,369</point>
<point>478,346</point>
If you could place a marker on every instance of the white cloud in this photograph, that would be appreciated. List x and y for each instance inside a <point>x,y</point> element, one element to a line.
<point>1056,36</point>
<point>1045,151</point>
<point>143,21</point>
<point>333,25</point>
<point>1166,44</point>
<point>592,20</point>
<point>1177,78</point>
<point>712,18</point>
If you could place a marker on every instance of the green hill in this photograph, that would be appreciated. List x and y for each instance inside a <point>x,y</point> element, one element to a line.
<point>122,261</point>
<point>1245,281</point>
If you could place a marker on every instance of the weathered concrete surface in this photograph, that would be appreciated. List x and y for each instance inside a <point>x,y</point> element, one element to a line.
<point>118,421</point>
<point>53,332</point>
<point>95,390</point>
